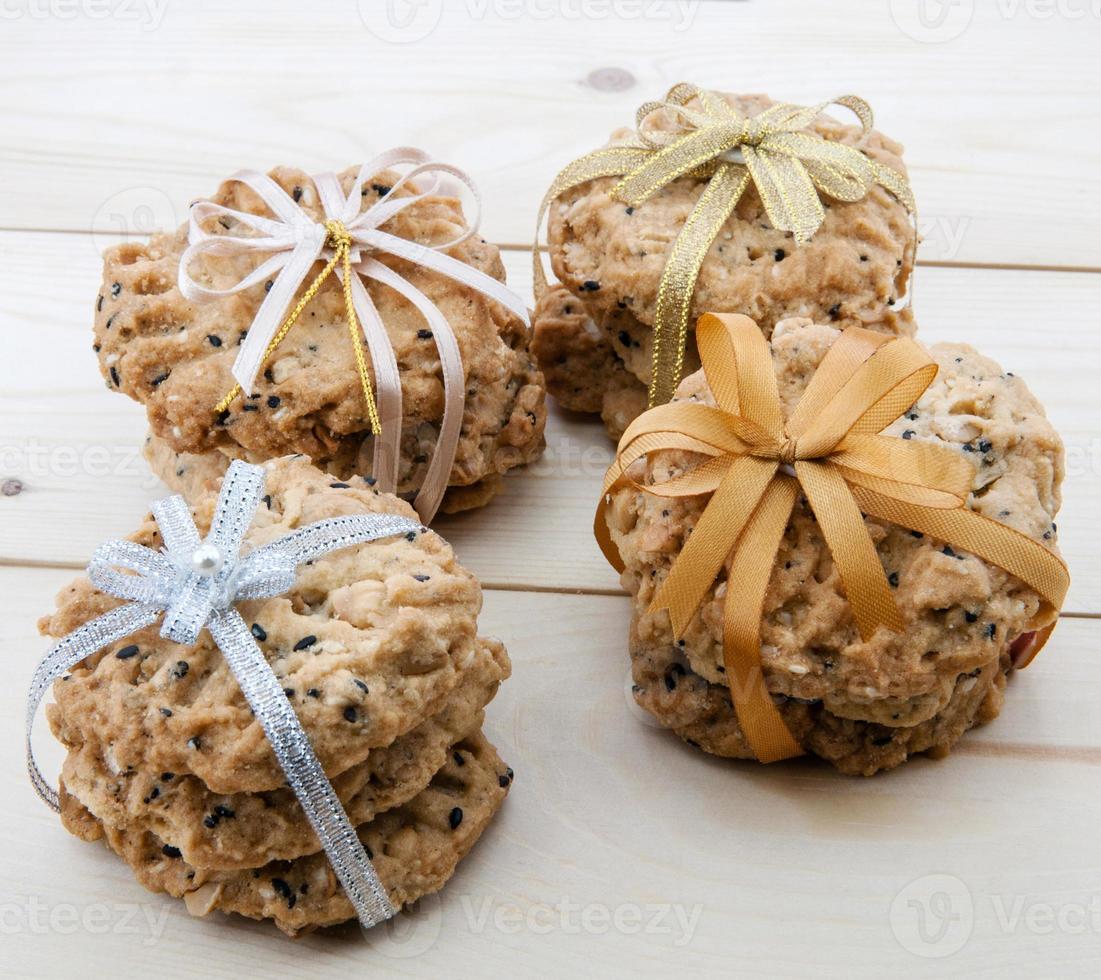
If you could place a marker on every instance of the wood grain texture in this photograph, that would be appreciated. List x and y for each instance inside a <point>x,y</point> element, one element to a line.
<point>621,851</point>
<point>108,122</point>
<point>74,443</point>
<point>771,868</point>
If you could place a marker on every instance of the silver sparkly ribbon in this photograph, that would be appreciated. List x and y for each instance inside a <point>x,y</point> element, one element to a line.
<point>195,584</point>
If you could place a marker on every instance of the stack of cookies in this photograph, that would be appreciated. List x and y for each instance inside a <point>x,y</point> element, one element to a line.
<point>377,649</point>
<point>862,705</point>
<point>594,329</point>
<point>175,356</point>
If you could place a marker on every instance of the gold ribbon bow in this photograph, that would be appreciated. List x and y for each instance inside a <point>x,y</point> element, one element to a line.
<point>788,164</point>
<point>845,467</point>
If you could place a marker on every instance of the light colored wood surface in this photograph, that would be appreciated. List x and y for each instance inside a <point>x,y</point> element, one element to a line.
<point>125,112</point>
<point>113,124</point>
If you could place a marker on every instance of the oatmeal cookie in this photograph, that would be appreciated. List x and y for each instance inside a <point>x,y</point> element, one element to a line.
<point>191,474</point>
<point>174,356</point>
<point>414,847</point>
<point>371,641</point>
<point>855,271</point>
<point>245,830</point>
<point>864,705</point>
<point>580,364</point>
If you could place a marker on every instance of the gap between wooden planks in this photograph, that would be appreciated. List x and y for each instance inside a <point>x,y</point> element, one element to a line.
<point>116,123</point>
<point>75,444</point>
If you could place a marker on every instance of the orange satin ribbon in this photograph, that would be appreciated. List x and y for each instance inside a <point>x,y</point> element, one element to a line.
<point>844,467</point>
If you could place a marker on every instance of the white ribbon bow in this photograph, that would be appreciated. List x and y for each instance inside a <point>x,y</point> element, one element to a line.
<point>297,241</point>
<point>195,584</point>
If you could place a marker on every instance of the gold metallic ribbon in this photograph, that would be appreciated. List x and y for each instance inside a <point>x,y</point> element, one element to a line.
<point>341,243</point>
<point>845,467</point>
<point>774,151</point>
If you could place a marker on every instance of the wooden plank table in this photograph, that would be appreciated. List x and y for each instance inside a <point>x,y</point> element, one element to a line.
<point>621,851</point>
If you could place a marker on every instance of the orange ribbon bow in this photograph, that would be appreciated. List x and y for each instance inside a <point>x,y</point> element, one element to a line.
<point>834,451</point>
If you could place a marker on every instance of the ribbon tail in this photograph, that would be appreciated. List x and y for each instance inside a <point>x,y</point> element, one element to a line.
<point>712,538</point>
<point>1040,569</point>
<point>263,331</point>
<point>747,581</point>
<point>434,484</point>
<point>387,450</point>
<point>787,193</point>
<point>678,279</point>
<point>852,548</point>
<point>90,638</point>
<point>307,779</point>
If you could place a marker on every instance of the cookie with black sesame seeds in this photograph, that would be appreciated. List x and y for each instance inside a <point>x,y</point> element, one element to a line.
<point>701,712</point>
<point>579,363</point>
<point>174,356</point>
<point>572,350</point>
<point>383,632</point>
<point>963,616</point>
<point>415,849</point>
<point>192,473</point>
<point>244,830</point>
<point>610,257</point>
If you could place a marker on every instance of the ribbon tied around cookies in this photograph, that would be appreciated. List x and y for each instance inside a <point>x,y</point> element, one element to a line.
<point>348,241</point>
<point>194,583</point>
<point>832,451</point>
<point>697,132</point>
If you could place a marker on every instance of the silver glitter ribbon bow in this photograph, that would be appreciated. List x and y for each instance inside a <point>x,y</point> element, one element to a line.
<point>195,582</point>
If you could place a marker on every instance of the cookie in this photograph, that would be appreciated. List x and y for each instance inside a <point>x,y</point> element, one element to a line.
<point>855,271</point>
<point>864,705</point>
<point>244,830</point>
<point>190,474</point>
<point>579,363</point>
<point>174,356</point>
<point>371,641</point>
<point>414,847</point>
<point>702,713</point>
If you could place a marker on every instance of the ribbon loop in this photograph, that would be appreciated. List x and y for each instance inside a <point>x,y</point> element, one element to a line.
<point>347,239</point>
<point>833,447</point>
<point>195,585</point>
